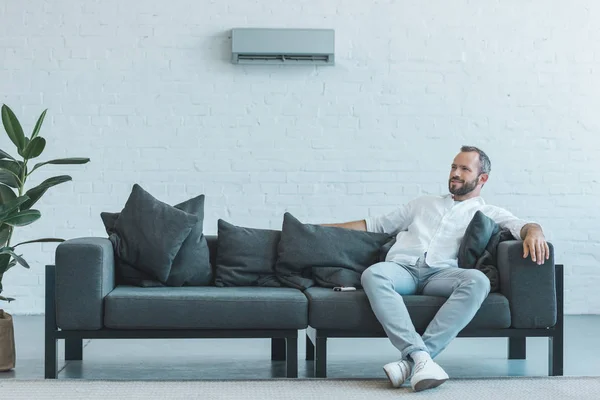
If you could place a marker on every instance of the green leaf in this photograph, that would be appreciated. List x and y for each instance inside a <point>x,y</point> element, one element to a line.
<point>10,172</point>
<point>21,261</point>
<point>35,193</point>
<point>7,209</point>
<point>10,252</point>
<point>4,154</point>
<point>44,240</point>
<point>9,299</point>
<point>4,233</point>
<point>4,262</point>
<point>72,160</point>
<point>23,218</point>
<point>8,179</point>
<point>34,148</point>
<point>38,125</point>
<point>6,194</point>
<point>13,127</point>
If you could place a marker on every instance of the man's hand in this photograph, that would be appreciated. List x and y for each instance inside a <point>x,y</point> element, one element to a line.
<point>535,244</point>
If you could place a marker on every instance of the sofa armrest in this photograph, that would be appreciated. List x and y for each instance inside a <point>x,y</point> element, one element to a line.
<point>85,274</point>
<point>530,288</point>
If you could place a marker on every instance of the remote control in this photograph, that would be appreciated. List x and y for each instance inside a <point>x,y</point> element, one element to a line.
<point>344,288</point>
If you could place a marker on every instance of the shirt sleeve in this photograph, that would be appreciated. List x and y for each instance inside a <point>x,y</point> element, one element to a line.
<point>507,220</point>
<point>393,222</point>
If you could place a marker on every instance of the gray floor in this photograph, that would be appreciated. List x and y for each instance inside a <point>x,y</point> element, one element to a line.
<point>184,359</point>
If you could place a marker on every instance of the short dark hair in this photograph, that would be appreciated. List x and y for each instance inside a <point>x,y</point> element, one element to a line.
<point>485,165</point>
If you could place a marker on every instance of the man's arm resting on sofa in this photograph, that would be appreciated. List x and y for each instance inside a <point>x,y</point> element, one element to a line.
<point>534,243</point>
<point>360,225</point>
<point>529,288</point>
<point>85,274</point>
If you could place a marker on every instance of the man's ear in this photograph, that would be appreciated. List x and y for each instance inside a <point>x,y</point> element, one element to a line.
<point>483,178</point>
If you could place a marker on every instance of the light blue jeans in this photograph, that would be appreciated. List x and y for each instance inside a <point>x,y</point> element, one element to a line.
<point>386,282</point>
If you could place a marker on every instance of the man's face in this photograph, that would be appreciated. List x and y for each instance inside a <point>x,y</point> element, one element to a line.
<point>464,173</point>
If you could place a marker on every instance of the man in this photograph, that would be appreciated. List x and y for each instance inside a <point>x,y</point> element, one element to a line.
<point>423,260</point>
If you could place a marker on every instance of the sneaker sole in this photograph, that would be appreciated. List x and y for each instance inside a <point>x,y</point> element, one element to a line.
<point>428,384</point>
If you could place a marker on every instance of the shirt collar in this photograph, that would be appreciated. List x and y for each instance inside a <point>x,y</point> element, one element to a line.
<point>477,199</point>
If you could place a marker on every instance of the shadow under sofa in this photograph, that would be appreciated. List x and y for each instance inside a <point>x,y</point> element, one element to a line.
<point>82,302</point>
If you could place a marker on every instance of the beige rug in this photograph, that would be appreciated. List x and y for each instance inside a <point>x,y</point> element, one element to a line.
<point>302,389</point>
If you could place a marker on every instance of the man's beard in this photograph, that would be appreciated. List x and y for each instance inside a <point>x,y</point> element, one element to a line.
<point>465,188</point>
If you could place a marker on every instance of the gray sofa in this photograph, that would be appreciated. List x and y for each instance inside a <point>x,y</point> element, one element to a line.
<point>82,302</point>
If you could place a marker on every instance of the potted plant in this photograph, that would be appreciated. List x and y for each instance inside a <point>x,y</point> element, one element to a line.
<point>16,208</point>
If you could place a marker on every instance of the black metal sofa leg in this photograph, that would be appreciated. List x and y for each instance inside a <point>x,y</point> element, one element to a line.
<point>73,349</point>
<point>278,349</point>
<point>50,356</point>
<point>321,357</point>
<point>291,349</point>
<point>556,342</point>
<point>555,355</point>
<point>517,348</point>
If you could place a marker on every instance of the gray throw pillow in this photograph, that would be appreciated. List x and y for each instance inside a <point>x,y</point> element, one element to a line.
<point>126,274</point>
<point>246,256</point>
<point>324,255</point>
<point>191,266</point>
<point>478,247</point>
<point>149,233</point>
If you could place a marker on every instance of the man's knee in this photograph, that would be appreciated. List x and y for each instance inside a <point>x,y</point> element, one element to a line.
<point>478,281</point>
<point>371,276</point>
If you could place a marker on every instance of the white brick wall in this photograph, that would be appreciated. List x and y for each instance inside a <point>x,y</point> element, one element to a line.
<point>146,90</point>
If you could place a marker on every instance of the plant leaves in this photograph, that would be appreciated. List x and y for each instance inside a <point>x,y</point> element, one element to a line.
<point>44,240</point>
<point>35,193</point>
<point>13,127</point>
<point>4,233</point>
<point>9,299</point>
<point>10,252</point>
<point>23,218</point>
<point>21,261</point>
<point>4,263</point>
<point>4,154</point>
<point>10,207</point>
<point>72,160</point>
<point>34,148</point>
<point>8,179</point>
<point>38,125</point>
<point>10,172</point>
<point>6,194</point>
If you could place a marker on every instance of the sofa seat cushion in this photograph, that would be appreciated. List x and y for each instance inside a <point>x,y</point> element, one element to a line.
<point>206,307</point>
<point>351,311</point>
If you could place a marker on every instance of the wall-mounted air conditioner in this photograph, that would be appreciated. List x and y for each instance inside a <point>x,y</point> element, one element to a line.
<point>282,46</point>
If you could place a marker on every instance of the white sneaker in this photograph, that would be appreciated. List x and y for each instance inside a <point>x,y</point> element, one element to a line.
<point>398,372</point>
<point>426,375</point>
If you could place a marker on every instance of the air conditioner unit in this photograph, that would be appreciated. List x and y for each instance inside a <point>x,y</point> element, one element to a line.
<point>282,46</point>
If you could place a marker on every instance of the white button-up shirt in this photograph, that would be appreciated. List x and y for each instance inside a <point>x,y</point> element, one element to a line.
<point>435,225</point>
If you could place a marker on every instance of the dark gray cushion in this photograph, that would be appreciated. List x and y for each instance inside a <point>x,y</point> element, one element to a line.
<point>246,256</point>
<point>479,247</point>
<point>324,255</point>
<point>149,233</point>
<point>476,237</point>
<point>209,307</point>
<point>191,266</point>
<point>352,311</point>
